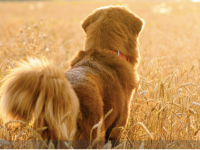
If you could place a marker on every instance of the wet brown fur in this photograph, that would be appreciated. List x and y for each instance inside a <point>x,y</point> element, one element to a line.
<point>97,82</point>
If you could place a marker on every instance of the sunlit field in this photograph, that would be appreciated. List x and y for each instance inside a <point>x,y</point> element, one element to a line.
<point>165,111</point>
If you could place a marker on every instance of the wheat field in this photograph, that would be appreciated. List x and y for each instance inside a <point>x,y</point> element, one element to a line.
<point>165,110</point>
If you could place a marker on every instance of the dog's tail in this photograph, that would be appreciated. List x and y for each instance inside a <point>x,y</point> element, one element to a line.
<point>39,88</point>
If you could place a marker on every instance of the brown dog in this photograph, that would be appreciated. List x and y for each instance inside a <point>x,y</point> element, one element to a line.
<point>101,78</point>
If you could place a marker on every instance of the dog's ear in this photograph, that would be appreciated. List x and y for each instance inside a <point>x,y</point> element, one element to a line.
<point>135,24</point>
<point>91,19</point>
<point>139,25</point>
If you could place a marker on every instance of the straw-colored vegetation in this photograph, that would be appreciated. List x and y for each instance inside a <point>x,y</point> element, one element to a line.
<point>165,111</point>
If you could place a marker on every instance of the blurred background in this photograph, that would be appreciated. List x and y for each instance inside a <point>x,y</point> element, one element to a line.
<point>167,101</point>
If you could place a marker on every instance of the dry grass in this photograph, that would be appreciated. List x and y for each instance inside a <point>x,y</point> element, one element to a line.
<point>165,110</point>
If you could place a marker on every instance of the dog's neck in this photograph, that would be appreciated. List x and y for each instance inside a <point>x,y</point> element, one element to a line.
<point>120,55</point>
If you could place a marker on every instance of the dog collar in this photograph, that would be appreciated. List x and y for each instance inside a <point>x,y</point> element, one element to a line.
<point>120,55</point>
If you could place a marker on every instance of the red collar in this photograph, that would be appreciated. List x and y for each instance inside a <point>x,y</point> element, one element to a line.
<point>120,55</point>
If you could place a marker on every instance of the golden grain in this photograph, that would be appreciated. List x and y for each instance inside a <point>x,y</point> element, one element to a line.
<point>166,104</point>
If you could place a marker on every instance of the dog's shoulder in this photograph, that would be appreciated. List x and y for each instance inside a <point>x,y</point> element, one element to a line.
<point>104,65</point>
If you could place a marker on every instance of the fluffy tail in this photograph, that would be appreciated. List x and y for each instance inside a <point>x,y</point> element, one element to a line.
<point>39,88</point>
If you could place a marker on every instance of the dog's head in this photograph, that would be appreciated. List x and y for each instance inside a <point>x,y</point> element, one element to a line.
<point>113,27</point>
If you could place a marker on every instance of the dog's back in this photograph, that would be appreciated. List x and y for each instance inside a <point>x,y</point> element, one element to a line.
<point>102,83</point>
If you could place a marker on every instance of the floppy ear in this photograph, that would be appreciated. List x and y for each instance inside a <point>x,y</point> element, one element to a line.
<point>136,24</point>
<point>91,19</point>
